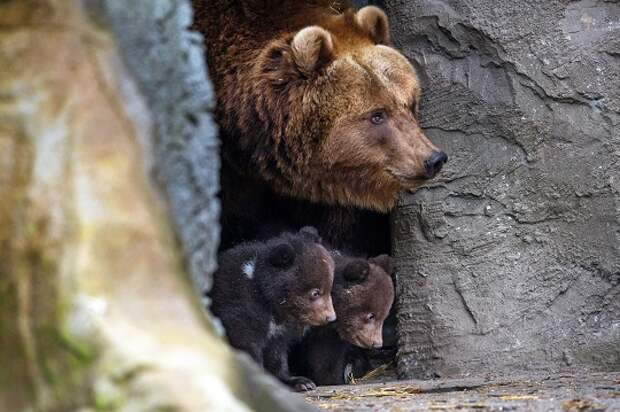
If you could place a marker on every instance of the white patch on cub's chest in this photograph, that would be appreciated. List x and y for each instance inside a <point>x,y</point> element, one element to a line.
<point>248,268</point>
<point>348,373</point>
<point>274,329</point>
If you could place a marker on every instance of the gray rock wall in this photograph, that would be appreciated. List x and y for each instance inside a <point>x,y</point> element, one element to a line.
<point>510,261</point>
<point>167,60</point>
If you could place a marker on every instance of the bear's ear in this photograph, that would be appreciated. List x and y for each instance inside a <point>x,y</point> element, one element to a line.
<point>374,22</point>
<point>384,262</point>
<point>310,233</point>
<point>312,48</point>
<point>356,271</point>
<point>277,63</point>
<point>282,256</point>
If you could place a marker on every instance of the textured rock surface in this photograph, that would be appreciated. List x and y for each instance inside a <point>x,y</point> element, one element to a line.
<point>510,261</point>
<point>95,310</point>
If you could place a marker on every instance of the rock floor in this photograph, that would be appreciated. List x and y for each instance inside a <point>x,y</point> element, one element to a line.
<point>567,393</point>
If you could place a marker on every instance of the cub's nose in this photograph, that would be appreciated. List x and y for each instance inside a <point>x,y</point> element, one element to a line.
<point>434,163</point>
<point>330,318</point>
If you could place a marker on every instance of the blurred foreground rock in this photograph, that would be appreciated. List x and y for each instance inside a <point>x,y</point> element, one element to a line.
<point>96,312</point>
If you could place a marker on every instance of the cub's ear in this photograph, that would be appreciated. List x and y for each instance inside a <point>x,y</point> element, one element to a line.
<point>310,233</point>
<point>374,22</point>
<point>384,262</point>
<point>313,48</point>
<point>356,271</point>
<point>282,256</point>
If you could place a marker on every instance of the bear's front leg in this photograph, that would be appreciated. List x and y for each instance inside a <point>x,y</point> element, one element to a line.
<point>276,362</point>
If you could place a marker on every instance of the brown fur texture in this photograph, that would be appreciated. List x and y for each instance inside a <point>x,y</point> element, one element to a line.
<point>363,295</point>
<point>313,104</point>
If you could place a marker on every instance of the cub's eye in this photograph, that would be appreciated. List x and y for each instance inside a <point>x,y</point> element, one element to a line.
<point>370,317</point>
<point>377,118</point>
<point>315,294</point>
<point>414,108</point>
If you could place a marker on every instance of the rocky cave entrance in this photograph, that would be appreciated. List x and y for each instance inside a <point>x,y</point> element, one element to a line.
<point>514,250</point>
<point>507,265</point>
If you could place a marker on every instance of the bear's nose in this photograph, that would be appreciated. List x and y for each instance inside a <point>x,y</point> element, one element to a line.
<point>434,163</point>
<point>330,318</point>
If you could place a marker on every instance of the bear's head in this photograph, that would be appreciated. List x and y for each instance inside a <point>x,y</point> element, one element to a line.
<point>363,295</point>
<point>343,103</point>
<point>300,277</point>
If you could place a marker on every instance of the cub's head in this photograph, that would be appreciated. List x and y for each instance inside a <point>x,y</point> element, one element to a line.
<point>347,102</point>
<point>296,276</point>
<point>363,295</point>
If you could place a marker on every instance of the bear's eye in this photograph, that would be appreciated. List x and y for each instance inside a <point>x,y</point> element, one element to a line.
<point>315,294</point>
<point>370,317</point>
<point>377,118</point>
<point>414,108</point>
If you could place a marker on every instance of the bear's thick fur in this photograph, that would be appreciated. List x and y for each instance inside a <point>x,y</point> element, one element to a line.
<point>317,119</point>
<point>267,293</point>
<point>363,294</point>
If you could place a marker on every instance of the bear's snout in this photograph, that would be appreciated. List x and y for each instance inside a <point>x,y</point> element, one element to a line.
<point>376,341</point>
<point>434,163</point>
<point>322,312</point>
<point>329,312</point>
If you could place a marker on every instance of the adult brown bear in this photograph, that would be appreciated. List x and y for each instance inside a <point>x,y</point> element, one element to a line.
<point>317,117</point>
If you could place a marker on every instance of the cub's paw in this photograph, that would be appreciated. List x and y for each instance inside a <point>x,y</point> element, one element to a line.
<point>301,384</point>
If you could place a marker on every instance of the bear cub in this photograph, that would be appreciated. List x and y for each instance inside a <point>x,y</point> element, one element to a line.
<point>267,293</point>
<point>363,294</point>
